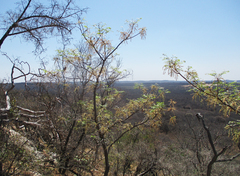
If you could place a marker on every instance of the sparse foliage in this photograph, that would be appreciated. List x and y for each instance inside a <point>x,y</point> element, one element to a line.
<point>35,21</point>
<point>100,114</point>
<point>216,93</point>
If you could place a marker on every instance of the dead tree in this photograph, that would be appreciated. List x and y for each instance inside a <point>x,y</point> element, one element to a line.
<point>6,114</point>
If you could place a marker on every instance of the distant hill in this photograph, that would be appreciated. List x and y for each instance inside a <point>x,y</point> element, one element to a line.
<point>32,85</point>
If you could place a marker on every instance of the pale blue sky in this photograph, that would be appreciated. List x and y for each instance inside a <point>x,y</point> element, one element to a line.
<point>206,34</point>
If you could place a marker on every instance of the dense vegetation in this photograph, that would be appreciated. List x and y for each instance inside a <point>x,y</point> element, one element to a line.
<point>181,148</point>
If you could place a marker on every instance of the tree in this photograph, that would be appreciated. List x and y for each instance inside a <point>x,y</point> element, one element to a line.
<point>36,20</point>
<point>94,106</point>
<point>216,93</point>
<point>16,147</point>
<point>105,120</point>
<point>79,116</point>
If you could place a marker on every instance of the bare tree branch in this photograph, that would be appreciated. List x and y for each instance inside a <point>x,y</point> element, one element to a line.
<point>30,111</point>
<point>216,154</point>
<point>36,21</point>
<point>15,24</point>
<point>229,159</point>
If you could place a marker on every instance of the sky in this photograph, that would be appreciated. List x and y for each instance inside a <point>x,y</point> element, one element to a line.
<point>206,34</point>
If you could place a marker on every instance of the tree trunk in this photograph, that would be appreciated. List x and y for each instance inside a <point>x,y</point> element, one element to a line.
<point>1,172</point>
